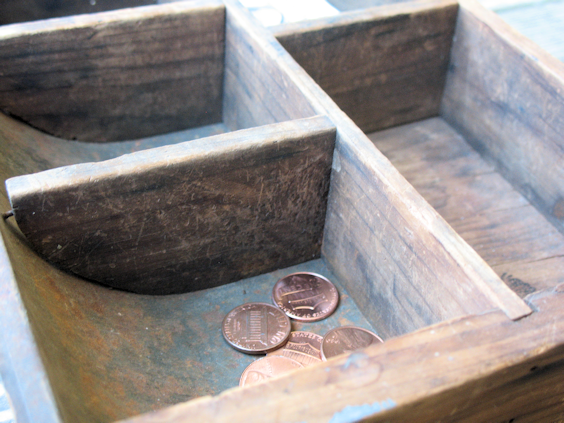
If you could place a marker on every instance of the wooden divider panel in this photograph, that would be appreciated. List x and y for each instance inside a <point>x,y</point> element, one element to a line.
<point>185,217</point>
<point>506,97</point>
<point>404,265</point>
<point>382,66</point>
<point>115,76</point>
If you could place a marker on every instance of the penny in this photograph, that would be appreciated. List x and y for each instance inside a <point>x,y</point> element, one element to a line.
<point>266,368</point>
<point>303,347</point>
<point>255,328</point>
<point>346,339</point>
<point>305,296</point>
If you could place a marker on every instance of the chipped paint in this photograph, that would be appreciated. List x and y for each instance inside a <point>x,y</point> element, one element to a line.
<point>353,413</point>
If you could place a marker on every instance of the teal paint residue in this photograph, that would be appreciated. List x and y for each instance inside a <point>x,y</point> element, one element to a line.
<point>354,359</point>
<point>353,413</point>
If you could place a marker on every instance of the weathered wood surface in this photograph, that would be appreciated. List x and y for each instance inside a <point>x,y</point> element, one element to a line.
<point>499,223</point>
<point>477,368</point>
<point>257,90</point>
<point>184,217</point>
<point>413,251</point>
<point>505,95</point>
<point>29,10</point>
<point>116,76</point>
<point>382,66</point>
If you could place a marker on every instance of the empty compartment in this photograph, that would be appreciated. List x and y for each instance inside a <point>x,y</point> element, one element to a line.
<point>103,354</point>
<point>467,127</point>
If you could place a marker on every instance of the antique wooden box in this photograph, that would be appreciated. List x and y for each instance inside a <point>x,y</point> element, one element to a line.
<point>166,163</point>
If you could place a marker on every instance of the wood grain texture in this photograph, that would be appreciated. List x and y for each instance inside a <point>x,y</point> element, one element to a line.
<point>382,66</point>
<point>477,368</point>
<point>506,97</point>
<point>115,76</point>
<point>257,91</point>
<point>184,217</point>
<point>483,208</point>
<point>14,11</point>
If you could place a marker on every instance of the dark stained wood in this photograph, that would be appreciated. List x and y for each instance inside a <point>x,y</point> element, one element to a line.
<point>184,217</point>
<point>506,97</point>
<point>116,76</point>
<point>382,66</point>
<point>498,222</point>
<point>30,10</point>
<point>257,89</point>
<point>477,368</point>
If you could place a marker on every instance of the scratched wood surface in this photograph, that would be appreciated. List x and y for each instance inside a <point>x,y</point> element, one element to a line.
<point>184,217</point>
<point>382,67</point>
<point>491,369</point>
<point>497,221</point>
<point>505,95</point>
<point>116,76</point>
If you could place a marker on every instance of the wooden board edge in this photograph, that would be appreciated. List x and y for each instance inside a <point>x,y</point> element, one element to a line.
<point>534,54</point>
<point>363,15</point>
<point>142,161</point>
<point>22,368</point>
<point>468,351</point>
<point>105,18</point>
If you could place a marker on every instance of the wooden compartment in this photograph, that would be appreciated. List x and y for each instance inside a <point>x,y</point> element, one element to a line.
<point>484,146</point>
<point>460,345</point>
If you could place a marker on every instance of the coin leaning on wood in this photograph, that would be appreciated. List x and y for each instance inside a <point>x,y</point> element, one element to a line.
<point>256,328</point>
<point>305,296</point>
<point>266,368</point>
<point>345,339</point>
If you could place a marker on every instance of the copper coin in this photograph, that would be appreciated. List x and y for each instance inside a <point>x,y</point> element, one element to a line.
<point>255,328</point>
<point>304,347</point>
<point>266,368</point>
<point>306,296</point>
<point>346,339</point>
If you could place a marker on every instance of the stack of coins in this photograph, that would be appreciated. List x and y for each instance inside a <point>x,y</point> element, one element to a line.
<point>261,328</point>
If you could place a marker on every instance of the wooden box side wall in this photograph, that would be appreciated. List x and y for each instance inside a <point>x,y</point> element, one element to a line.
<point>506,97</point>
<point>116,76</point>
<point>382,66</point>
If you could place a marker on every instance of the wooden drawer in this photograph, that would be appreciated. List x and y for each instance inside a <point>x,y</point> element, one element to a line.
<point>461,345</point>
